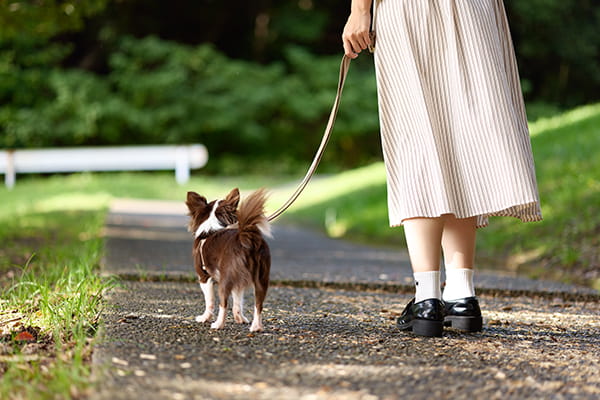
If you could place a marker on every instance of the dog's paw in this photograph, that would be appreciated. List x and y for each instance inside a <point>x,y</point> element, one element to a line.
<point>256,327</point>
<point>203,318</point>
<point>217,325</point>
<point>240,319</point>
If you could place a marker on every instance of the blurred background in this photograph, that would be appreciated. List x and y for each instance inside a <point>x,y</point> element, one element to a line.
<point>246,78</point>
<point>254,82</point>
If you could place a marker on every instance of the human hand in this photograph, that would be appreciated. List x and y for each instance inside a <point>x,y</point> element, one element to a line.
<point>356,36</point>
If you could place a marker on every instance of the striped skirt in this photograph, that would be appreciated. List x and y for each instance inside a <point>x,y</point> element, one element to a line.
<point>453,124</point>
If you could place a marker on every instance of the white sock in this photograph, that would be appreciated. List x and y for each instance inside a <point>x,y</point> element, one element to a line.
<point>459,284</point>
<point>427,285</point>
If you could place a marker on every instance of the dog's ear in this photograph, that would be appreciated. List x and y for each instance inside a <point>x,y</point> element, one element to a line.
<point>194,200</point>
<point>233,198</point>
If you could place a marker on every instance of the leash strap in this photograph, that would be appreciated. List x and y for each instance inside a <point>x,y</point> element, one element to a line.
<point>345,64</point>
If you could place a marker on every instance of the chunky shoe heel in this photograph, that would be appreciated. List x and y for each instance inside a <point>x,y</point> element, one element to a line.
<point>423,327</point>
<point>425,318</point>
<point>468,324</point>
<point>463,314</point>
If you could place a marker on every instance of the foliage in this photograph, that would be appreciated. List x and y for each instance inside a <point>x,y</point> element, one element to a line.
<point>557,45</point>
<point>47,18</point>
<point>257,31</point>
<point>152,90</point>
<point>557,42</point>
<point>79,79</point>
<point>162,92</point>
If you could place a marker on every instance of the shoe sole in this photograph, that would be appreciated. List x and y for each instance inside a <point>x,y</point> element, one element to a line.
<point>467,324</point>
<point>424,327</point>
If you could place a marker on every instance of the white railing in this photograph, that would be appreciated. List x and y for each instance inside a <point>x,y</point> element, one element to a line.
<point>125,158</point>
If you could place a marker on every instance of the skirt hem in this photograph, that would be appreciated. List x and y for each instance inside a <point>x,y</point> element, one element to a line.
<point>483,218</point>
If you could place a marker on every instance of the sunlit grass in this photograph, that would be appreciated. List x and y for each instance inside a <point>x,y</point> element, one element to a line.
<point>57,296</point>
<point>584,114</point>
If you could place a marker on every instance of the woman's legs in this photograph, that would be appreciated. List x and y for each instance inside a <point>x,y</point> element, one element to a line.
<point>461,308</point>
<point>425,237</point>
<point>458,243</point>
<point>425,315</point>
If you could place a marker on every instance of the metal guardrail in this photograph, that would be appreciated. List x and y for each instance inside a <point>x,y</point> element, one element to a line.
<point>123,158</point>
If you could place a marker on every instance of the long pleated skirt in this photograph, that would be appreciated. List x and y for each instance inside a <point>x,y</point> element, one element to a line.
<point>453,124</point>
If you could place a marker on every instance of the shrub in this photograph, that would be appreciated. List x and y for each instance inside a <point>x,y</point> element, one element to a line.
<point>162,92</point>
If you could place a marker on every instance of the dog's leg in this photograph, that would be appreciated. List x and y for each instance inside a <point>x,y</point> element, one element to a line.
<point>224,292</point>
<point>220,322</point>
<point>209,301</point>
<point>257,324</point>
<point>260,293</point>
<point>238,306</point>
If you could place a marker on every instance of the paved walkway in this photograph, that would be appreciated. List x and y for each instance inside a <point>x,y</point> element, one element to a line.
<point>329,326</point>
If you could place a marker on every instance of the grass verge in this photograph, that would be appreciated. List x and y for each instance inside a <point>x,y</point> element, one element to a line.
<point>50,294</point>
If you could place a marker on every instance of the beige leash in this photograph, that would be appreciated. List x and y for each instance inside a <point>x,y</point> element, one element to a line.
<point>326,135</point>
<point>345,64</point>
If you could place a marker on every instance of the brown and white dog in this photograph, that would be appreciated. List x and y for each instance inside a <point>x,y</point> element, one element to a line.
<point>229,248</point>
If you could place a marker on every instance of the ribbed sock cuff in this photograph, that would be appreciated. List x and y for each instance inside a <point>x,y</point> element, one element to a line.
<point>459,284</point>
<point>427,285</point>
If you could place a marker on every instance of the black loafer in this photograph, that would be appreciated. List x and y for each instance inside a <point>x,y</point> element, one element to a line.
<point>425,318</point>
<point>463,314</point>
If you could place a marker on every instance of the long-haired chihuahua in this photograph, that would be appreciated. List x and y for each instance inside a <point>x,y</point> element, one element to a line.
<point>230,249</point>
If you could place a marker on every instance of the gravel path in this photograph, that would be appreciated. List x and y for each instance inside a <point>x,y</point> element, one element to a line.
<point>329,341</point>
<point>327,344</point>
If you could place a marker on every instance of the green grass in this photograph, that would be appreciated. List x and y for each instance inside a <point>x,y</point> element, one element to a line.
<point>48,288</point>
<point>564,246</point>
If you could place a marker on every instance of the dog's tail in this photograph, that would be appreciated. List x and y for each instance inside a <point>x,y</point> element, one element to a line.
<point>251,217</point>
